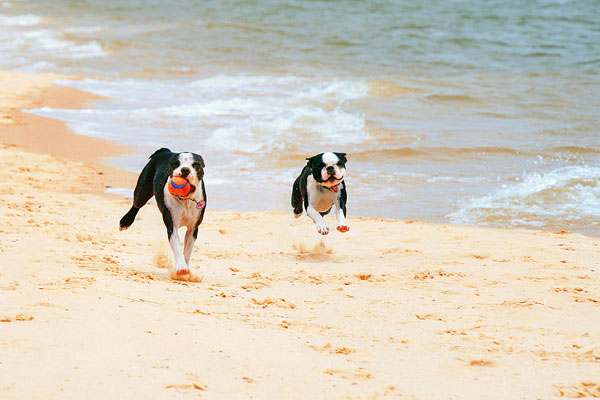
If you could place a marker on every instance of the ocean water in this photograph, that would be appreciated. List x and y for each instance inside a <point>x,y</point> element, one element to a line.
<point>477,113</point>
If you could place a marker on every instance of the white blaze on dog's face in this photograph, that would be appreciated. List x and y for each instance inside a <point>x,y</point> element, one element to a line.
<point>329,169</point>
<point>189,166</point>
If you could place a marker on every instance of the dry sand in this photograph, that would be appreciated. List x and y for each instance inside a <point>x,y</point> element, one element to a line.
<point>392,309</point>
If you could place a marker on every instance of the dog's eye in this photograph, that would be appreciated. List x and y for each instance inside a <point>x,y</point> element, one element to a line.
<point>196,165</point>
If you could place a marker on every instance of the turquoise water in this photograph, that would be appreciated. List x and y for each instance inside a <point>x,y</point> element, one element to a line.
<point>467,112</point>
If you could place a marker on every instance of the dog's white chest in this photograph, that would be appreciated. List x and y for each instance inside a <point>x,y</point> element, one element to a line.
<point>324,201</point>
<point>321,199</point>
<point>189,213</point>
<point>183,212</point>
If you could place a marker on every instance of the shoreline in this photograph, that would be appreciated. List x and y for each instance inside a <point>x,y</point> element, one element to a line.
<point>43,135</point>
<point>391,309</point>
<point>98,151</point>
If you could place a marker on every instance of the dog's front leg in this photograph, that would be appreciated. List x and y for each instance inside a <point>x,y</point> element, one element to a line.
<point>319,220</point>
<point>341,219</point>
<point>181,266</point>
<point>190,239</point>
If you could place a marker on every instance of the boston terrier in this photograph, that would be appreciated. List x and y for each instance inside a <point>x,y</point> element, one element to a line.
<point>319,187</point>
<point>177,211</point>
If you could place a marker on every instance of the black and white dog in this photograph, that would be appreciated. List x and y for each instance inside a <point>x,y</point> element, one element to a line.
<point>176,211</point>
<point>319,187</point>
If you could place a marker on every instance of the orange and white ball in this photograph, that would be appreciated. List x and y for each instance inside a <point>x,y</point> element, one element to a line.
<point>179,186</point>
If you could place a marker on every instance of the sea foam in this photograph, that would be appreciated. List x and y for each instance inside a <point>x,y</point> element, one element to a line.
<point>569,194</point>
<point>19,20</point>
<point>230,113</point>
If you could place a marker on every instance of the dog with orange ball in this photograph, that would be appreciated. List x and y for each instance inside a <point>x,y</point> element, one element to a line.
<point>176,180</point>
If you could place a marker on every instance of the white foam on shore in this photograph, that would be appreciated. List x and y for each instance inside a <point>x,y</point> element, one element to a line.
<point>125,192</point>
<point>337,91</point>
<point>245,83</point>
<point>19,20</point>
<point>45,40</point>
<point>227,113</point>
<point>568,194</point>
<point>26,45</point>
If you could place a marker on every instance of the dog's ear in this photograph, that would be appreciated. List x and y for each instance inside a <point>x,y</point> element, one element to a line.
<point>198,160</point>
<point>312,159</point>
<point>173,162</point>
<point>342,157</point>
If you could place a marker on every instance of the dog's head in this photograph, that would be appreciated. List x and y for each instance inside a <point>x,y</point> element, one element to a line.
<point>187,165</point>
<point>329,169</point>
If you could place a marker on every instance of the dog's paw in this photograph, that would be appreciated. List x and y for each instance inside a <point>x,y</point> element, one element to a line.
<point>343,228</point>
<point>180,272</point>
<point>185,274</point>
<point>297,215</point>
<point>323,230</point>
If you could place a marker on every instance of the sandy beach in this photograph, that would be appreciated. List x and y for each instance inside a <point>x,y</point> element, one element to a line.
<point>392,309</point>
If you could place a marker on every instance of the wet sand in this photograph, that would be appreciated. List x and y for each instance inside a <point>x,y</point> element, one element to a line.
<point>392,309</point>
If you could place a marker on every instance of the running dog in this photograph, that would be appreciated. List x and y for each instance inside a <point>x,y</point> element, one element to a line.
<point>177,211</point>
<point>319,187</point>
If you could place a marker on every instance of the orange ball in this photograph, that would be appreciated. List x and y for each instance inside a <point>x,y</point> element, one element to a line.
<point>179,186</point>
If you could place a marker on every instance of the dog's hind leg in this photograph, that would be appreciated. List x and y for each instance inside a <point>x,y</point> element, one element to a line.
<point>188,244</point>
<point>297,198</point>
<point>142,193</point>
<point>128,218</point>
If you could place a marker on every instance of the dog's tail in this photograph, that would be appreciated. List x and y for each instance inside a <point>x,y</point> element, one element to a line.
<point>128,218</point>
